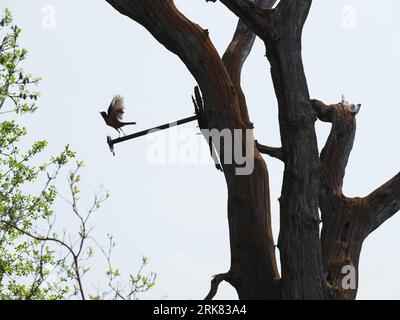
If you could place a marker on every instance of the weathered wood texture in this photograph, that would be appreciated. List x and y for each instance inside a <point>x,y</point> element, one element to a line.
<point>311,264</point>
<point>346,221</point>
<point>253,269</point>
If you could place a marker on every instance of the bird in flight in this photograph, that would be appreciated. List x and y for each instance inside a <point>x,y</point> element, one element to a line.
<point>114,114</point>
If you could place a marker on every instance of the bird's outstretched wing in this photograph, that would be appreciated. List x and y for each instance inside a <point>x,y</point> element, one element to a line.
<point>116,108</point>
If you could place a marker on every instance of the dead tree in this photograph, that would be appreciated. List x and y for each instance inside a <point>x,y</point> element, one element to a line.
<point>311,264</point>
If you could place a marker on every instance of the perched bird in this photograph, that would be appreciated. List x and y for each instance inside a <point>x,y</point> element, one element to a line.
<point>114,114</point>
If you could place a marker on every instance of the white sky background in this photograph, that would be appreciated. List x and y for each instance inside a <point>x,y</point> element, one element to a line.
<point>176,213</point>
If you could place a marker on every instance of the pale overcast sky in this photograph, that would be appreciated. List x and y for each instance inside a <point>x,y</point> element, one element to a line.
<point>176,213</point>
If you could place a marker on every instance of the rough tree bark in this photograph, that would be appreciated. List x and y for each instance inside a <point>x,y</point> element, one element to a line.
<point>311,265</point>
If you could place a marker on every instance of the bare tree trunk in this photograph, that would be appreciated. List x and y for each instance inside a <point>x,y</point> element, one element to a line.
<point>312,265</point>
<point>299,245</point>
<point>299,228</point>
<point>253,269</point>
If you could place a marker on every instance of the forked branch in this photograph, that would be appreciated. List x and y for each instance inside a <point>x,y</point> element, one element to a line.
<point>347,221</point>
<point>255,14</point>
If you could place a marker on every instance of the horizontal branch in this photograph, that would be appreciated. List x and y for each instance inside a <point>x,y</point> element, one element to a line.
<point>322,111</point>
<point>238,50</point>
<point>271,151</point>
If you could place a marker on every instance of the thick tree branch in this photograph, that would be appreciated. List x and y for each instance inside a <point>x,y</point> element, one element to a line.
<point>342,217</point>
<point>335,154</point>
<point>271,151</point>
<point>256,15</point>
<point>237,53</point>
<point>269,23</point>
<point>347,221</point>
<point>299,244</point>
<point>383,203</point>
<point>253,267</point>
<point>238,50</point>
<point>234,57</point>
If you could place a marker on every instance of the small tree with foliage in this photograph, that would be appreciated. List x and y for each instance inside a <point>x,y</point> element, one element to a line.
<point>35,261</point>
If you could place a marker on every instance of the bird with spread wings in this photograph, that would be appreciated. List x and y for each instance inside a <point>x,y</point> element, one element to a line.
<point>113,116</point>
